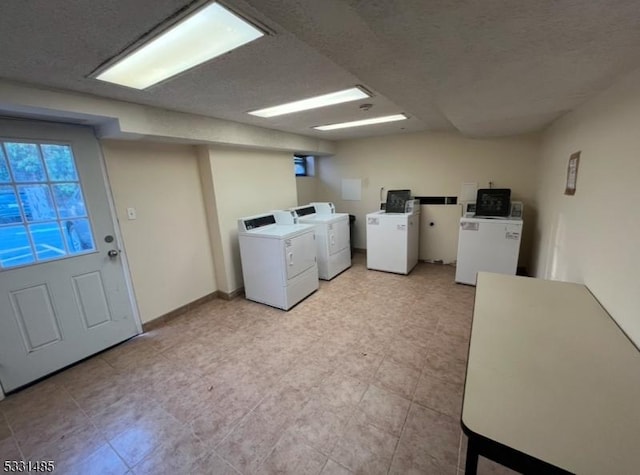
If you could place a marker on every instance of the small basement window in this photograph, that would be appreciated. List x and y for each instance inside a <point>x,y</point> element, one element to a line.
<point>301,165</point>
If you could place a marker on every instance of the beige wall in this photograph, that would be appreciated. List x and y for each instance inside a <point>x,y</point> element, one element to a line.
<point>168,244</point>
<point>593,236</point>
<point>430,164</point>
<point>306,187</point>
<point>245,182</point>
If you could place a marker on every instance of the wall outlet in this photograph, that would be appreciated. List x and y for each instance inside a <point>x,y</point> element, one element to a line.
<point>131,213</point>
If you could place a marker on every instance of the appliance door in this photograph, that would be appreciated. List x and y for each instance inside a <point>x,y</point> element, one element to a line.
<point>387,242</point>
<point>300,254</point>
<point>338,233</point>
<point>487,246</point>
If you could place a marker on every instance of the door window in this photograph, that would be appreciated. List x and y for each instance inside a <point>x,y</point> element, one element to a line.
<point>42,210</point>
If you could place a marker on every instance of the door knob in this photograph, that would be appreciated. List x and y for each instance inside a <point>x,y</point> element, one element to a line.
<point>113,253</point>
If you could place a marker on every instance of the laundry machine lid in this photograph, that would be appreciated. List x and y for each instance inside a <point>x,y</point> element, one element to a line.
<point>280,231</point>
<point>324,218</point>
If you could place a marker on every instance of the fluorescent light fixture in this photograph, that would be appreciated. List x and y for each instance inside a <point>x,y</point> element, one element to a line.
<point>199,37</point>
<point>358,123</point>
<point>338,97</point>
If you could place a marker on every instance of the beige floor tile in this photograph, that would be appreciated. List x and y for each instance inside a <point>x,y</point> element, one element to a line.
<point>410,459</point>
<point>72,448</point>
<point>5,430</point>
<point>439,394</point>
<point>9,450</point>
<point>211,464</point>
<point>85,373</point>
<point>103,461</point>
<point>321,423</point>
<point>137,351</point>
<point>364,448</point>
<point>125,414</point>
<point>341,389</point>
<point>292,455</point>
<point>213,426</point>
<point>25,408</point>
<point>489,467</point>
<point>250,442</point>
<point>360,364</point>
<point>384,409</point>
<point>32,436</point>
<point>179,452</point>
<point>446,363</point>
<point>397,378</point>
<point>306,376</point>
<point>254,437</point>
<point>408,352</point>
<point>430,432</point>
<point>99,395</point>
<point>333,468</point>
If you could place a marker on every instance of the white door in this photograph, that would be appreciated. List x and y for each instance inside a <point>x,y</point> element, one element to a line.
<point>300,254</point>
<point>339,236</point>
<point>63,289</point>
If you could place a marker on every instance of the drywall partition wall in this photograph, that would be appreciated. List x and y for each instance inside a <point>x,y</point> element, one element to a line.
<point>124,120</point>
<point>167,244</point>
<point>306,189</point>
<point>244,182</point>
<point>592,237</point>
<point>211,210</point>
<point>430,164</point>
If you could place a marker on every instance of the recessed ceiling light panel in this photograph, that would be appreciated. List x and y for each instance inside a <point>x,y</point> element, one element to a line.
<point>208,32</point>
<point>359,123</point>
<point>338,97</point>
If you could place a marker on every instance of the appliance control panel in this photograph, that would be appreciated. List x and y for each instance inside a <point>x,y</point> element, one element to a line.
<point>247,224</point>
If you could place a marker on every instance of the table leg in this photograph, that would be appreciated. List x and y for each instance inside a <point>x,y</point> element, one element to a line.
<point>471,464</point>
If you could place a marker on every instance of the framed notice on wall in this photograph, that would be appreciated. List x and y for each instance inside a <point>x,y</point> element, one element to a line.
<point>572,174</point>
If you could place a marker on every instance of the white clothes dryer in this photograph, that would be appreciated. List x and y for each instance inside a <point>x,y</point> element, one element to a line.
<point>278,260</point>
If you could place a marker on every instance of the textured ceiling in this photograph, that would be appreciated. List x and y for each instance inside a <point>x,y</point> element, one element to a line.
<point>483,67</point>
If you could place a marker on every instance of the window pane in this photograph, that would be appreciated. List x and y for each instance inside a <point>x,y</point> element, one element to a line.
<point>37,203</point>
<point>299,169</point>
<point>25,162</point>
<point>59,162</point>
<point>15,249</point>
<point>69,200</point>
<point>78,234</point>
<point>47,239</point>
<point>9,208</point>
<point>4,170</point>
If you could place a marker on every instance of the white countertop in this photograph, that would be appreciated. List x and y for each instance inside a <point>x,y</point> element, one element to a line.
<point>551,375</point>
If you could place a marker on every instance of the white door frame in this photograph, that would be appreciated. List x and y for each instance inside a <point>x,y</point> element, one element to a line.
<point>119,239</point>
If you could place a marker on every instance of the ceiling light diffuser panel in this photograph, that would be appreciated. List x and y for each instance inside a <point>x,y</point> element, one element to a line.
<point>332,98</point>
<point>359,123</point>
<point>208,32</point>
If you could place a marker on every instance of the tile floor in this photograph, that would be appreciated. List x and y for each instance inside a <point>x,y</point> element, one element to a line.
<point>365,376</point>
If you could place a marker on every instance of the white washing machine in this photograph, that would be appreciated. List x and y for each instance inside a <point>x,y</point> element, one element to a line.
<point>278,260</point>
<point>489,245</point>
<point>333,237</point>
<point>393,240</point>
